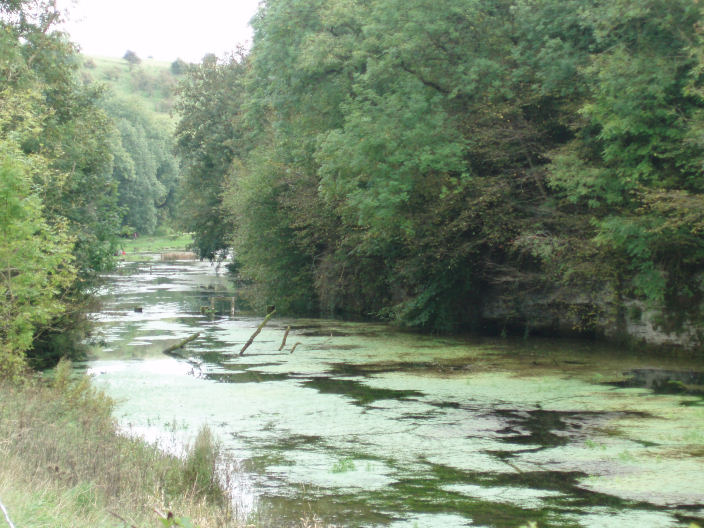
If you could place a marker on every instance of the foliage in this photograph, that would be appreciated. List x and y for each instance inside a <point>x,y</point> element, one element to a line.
<point>64,461</point>
<point>200,467</point>
<point>179,67</point>
<point>35,260</point>
<point>412,159</point>
<point>207,139</point>
<point>144,166</point>
<point>343,466</point>
<point>634,164</point>
<point>131,57</point>
<point>60,216</point>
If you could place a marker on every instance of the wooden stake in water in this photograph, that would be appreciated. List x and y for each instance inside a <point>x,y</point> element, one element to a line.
<point>283,343</point>
<point>256,332</point>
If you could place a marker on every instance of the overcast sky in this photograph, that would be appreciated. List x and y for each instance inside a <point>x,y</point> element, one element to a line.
<point>162,29</point>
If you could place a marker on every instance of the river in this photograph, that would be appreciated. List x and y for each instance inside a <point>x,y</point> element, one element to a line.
<point>365,425</point>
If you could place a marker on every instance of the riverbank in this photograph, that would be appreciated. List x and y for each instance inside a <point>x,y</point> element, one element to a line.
<point>155,243</point>
<point>66,465</point>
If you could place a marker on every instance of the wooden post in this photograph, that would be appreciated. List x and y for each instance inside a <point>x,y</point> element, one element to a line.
<point>256,332</point>
<point>212,306</point>
<point>232,307</point>
<point>294,347</point>
<point>283,343</point>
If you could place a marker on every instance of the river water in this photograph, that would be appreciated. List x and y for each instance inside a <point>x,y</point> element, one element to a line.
<point>364,425</point>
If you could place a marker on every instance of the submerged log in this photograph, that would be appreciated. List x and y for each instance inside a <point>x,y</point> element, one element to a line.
<point>283,343</point>
<point>256,332</point>
<point>181,344</point>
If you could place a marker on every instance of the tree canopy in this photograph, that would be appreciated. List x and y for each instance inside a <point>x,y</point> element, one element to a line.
<point>62,196</point>
<point>414,159</point>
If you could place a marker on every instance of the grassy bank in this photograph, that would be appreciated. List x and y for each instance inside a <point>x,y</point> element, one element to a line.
<point>65,465</point>
<point>156,244</point>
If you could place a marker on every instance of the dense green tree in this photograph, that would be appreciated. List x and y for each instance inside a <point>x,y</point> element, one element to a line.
<point>414,159</point>
<point>635,163</point>
<point>179,67</point>
<point>56,182</point>
<point>131,57</point>
<point>35,259</point>
<point>144,166</point>
<point>208,139</point>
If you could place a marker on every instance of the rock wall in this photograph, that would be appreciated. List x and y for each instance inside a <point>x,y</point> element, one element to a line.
<point>596,314</point>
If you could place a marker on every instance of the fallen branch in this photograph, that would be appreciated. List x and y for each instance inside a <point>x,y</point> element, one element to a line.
<point>181,344</point>
<point>283,343</point>
<point>294,347</point>
<point>256,332</point>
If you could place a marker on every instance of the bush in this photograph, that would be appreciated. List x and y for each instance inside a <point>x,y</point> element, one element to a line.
<point>131,57</point>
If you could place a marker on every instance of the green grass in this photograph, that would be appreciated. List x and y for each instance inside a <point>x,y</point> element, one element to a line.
<point>150,81</point>
<point>343,466</point>
<point>65,465</point>
<point>156,244</point>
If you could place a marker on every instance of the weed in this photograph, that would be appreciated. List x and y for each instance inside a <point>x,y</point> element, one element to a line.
<point>343,466</point>
<point>62,456</point>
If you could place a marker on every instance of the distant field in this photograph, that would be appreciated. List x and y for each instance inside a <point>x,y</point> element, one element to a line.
<point>156,244</point>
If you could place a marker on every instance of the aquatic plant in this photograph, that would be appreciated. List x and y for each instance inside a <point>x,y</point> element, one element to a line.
<point>343,466</point>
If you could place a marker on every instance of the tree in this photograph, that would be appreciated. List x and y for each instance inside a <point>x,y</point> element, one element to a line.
<point>413,159</point>
<point>635,164</point>
<point>208,138</point>
<point>179,67</point>
<point>35,260</point>
<point>57,185</point>
<point>131,57</point>
<point>144,166</point>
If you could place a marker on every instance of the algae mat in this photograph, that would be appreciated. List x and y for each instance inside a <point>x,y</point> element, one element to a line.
<point>364,425</point>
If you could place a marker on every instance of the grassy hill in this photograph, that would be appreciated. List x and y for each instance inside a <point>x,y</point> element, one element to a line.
<point>151,81</point>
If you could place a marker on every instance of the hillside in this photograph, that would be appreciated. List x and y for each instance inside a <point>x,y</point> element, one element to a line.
<point>139,101</point>
<point>151,81</point>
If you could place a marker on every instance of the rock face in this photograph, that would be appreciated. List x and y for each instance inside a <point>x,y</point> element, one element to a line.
<point>596,314</point>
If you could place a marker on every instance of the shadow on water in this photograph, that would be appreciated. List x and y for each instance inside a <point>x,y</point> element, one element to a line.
<point>562,495</point>
<point>359,392</point>
<point>247,376</point>
<point>662,381</point>
<point>547,429</point>
<point>368,369</point>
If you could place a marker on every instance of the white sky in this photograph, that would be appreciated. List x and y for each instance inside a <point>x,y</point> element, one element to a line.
<point>162,29</point>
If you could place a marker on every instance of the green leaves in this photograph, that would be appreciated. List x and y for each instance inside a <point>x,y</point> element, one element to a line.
<point>144,166</point>
<point>35,260</point>
<point>407,156</point>
<point>59,211</point>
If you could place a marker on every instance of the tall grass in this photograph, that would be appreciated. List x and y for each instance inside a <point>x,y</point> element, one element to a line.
<point>63,460</point>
